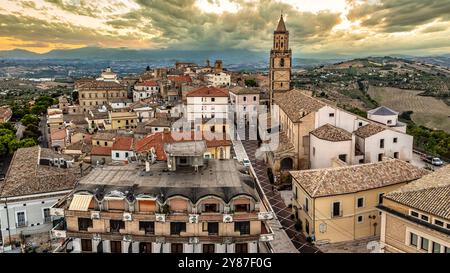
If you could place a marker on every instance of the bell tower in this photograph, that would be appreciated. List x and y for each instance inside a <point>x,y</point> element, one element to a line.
<point>280,60</point>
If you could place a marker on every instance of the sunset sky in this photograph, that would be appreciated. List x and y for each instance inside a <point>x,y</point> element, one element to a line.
<point>415,27</point>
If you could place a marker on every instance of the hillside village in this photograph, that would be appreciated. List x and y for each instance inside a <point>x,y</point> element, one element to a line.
<point>198,159</point>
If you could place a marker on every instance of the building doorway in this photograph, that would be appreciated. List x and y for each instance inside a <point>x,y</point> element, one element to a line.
<point>287,164</point>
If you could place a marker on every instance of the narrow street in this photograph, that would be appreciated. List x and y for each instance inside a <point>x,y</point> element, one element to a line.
<point>283,226</point>
<point>44,131</point>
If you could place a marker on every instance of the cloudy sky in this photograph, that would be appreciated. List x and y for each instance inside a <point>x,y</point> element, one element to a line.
<point>317,26</point>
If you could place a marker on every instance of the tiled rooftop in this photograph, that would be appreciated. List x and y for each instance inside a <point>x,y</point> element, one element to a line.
<point>296,104</point>
<point>208,92</point>
<point>25,176</point>
<point>331,133</point>
<point>369,130</point>
<point>430,194</point>
<point>356,178</point>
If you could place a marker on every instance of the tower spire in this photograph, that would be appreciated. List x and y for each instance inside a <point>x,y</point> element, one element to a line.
<point>281,26</point>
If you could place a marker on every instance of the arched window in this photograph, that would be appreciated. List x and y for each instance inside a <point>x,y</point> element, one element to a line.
<point>282,62</point>
<point>281,44</point>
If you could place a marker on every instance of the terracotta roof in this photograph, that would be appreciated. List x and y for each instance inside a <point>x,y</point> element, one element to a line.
<point>331,133</point>
<point>5,112</point>
<point>296,104</point>
<point>147,83</point>
<point>159,122</point>
<point>26,176</point>
<point>80,145</point>
<point>157,141</point>
<point>58,134</point>
<point>98,150</point>
<point>208,92</point>
<point>369,130</point>
<point>356,178</point>
<point>123,143</point>
<point>430,194</point>
<point>180,78</point>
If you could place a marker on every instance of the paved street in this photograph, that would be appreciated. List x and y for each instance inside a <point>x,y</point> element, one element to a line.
<point>247,149</point>
<point>281,210</point>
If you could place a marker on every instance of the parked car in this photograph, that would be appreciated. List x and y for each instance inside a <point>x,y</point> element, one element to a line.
<point>246,162</point>
<point>435,161</point>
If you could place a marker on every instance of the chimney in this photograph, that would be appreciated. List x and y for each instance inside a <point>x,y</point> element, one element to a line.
<point>147,166</point>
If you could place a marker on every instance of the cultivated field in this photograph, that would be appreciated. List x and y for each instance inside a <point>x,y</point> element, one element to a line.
<point>428,111</point>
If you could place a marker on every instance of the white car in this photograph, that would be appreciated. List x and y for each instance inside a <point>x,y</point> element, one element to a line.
<point>246,162</point>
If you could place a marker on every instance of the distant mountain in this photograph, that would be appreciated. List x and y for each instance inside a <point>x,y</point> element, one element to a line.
<point>18,54</point>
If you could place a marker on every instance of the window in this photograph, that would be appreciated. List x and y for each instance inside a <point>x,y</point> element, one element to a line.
<point>331,115</point>
<point>84,224</point>
<point>116,225</point>
<point>314,151</point>
<point>106,143</point>
<point>380,157</point>
<point>177,227</point>
<point>148,227</point>
<point>446,249</point>
<point>47,216</point>
<point>86,245</point>
<point>436,248</point>
<point>395,140</point>
<point>380,198</point>
<point>438,223</point>
<point>208,248</point>
<point>414,214</point>
<point>116,246</point>
<point>360,219</point>
<point>242,208</point>
<point>117,155</point>
<point>282,59</point>
<point>413,239</point>
<point>126,154</point>
<point>360,124</point>
<point>389,121</point>
<point>307,226</point>
<point>241,248</point>
<point>424,217</point>
<point>336,209</point>
<point>245,98</point>
<point>424,244</point>
<point>210,208</point>
<point>21,219</point>
<point>213,99</point>
<point>381,143</point>
<point>211,227</point>
<point>176,248</point>
<point>343,157</point>
<point>212,129</point>
<point>396,155</point>
<point>242,227</point>
<point>306,203</point>
<point>360,202</point>
<point>98,142</point>
<point>254,98</point>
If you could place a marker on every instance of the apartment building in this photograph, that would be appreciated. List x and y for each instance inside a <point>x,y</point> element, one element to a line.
<point>144,90</point>
<point>97,92</point>
<point>415,218</point>
<point>221,79</point>
<point>339,204</point>
<point>196,206</point>
<point>245,102</point>
<point>123,120</point>
<point>207,102</point>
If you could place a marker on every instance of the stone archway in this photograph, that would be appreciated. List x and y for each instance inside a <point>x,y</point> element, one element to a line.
<point>286,164</point>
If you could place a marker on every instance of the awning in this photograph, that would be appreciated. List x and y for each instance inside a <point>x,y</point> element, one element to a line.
<point>80,202</point>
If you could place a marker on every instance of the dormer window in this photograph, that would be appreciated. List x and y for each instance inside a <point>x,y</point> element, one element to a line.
<point>210,208</point>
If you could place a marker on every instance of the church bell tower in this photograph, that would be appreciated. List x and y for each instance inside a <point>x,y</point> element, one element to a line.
<point>280,61</point>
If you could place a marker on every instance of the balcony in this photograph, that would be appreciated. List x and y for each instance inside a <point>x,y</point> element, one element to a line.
<point>59,231</point>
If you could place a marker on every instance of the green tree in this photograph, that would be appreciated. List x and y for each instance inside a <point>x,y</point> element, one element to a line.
<point>251,83</point>
<point>27,142</point>
<point>29,119</point>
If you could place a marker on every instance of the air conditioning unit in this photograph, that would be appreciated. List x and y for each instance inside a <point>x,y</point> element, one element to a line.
<point>160,217</point>
<point>194,240</point>
<point>127,216</point>
<point>193,218</point>
<point>95,214</point>
<point>265,216</point>
<point>227,218</point>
